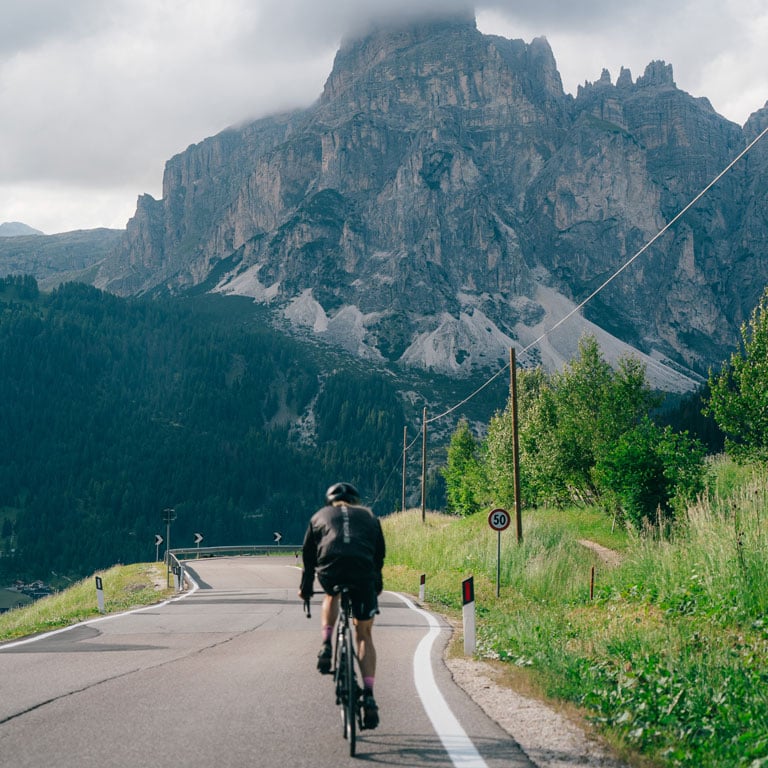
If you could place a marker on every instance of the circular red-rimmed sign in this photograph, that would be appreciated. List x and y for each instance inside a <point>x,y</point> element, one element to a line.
<point>499,519</point>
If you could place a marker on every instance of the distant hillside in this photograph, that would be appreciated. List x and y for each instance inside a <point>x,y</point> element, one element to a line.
<point>16,229</point>
<point>53,259</point>
<point>114,409</point>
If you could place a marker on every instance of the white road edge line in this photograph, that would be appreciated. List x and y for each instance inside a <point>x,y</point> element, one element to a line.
<point>458,745</point>
<point>35,638</point>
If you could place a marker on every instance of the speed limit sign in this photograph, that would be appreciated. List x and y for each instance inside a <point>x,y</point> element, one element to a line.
<point>499,519</point>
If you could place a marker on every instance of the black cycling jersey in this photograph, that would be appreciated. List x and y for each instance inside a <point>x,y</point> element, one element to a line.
<point>343,544</point>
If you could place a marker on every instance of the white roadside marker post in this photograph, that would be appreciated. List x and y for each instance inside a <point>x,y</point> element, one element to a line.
<point>468,614</point>
<point>100,594</point>
<point>422,583</point>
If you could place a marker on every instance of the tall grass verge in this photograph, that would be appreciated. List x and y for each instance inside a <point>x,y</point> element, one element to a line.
<point>669,657</point>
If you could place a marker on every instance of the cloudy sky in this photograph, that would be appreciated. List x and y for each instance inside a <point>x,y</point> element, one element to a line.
<point>96,95</point>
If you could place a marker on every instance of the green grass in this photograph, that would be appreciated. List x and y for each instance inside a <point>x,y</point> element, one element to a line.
<point>124,587</point>
<point>669,657</point>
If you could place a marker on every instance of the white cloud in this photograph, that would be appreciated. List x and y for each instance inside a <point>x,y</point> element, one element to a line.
<point>62,207</point>
<point>102,94</point>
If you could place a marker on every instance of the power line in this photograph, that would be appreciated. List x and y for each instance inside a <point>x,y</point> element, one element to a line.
<point>469,397</point>
<point>664,229</point>
<point>591,296</point>
<point>624,266</point>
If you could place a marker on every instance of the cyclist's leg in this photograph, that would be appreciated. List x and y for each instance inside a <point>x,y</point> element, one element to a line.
<point>366,651</point>
<point>329,612</point>
<point>365,608</point>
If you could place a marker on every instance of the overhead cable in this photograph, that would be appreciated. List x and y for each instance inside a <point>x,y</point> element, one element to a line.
<point>607,282</point>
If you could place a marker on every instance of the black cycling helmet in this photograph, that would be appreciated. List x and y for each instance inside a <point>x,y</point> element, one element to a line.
<point>342,492</point>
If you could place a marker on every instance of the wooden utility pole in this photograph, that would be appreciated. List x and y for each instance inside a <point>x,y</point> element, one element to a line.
<point>405,451</point>
<point>515,444</point>
<point>424,467</point>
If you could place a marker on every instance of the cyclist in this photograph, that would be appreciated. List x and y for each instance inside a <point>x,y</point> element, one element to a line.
<point>344,544</point>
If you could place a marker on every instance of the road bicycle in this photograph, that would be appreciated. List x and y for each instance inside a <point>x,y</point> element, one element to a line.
<point>345,670</point>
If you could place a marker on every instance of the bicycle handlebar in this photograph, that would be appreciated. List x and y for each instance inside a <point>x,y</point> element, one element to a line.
<point>307,609</point>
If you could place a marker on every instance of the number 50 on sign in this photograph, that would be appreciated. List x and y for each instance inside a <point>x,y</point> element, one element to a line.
<point>499,519</point>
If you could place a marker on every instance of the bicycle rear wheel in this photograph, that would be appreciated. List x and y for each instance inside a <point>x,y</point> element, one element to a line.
<point>350,702</point>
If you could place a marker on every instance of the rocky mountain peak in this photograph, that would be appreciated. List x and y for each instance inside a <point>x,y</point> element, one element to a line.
<point>388,63</point>
<point>624,79</point>
<point>445,199</point>
<point>756,124</point>
<point>657,74</point>
<point>386,36</point>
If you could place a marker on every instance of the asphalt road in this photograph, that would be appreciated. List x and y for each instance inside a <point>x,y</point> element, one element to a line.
<point>226,677</point>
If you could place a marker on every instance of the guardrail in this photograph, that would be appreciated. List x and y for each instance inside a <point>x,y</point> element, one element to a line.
<point>244,549</point>
<point>175,567</point>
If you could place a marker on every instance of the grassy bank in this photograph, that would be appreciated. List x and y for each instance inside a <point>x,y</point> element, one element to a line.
<point>124,587</point>
<point>670,655</point>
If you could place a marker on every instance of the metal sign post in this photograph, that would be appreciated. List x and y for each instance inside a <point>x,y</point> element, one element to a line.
<point>499,521</point>
<point>169,515</point>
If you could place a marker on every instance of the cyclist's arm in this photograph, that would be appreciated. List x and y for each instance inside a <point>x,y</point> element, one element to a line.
<point>379,555</point>
<point>309,559</point>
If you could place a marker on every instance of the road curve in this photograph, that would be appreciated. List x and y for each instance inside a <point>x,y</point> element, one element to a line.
<point>226,677</point>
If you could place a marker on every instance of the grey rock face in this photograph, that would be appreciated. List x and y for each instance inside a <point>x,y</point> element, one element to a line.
<point>444,183</point>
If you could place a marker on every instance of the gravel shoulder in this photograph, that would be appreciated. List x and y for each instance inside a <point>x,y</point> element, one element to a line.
<point>551,739</point>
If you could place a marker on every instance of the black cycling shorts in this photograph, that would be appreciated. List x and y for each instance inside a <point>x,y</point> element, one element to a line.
<point>363,598</point>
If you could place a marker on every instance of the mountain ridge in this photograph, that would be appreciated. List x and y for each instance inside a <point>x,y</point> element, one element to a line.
<point>442,183</point>
<point>17,229</point>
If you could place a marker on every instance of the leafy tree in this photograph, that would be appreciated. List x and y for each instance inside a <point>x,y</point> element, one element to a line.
<point>650,469</point>
<point>534,401</point>
<point>585,435</point>
<point>568,422</point>
<point>498,457</point>
<point>463,474</point>
<point>738,398</point>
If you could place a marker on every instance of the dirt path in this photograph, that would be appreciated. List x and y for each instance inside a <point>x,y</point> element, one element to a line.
<point>608,556</point>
